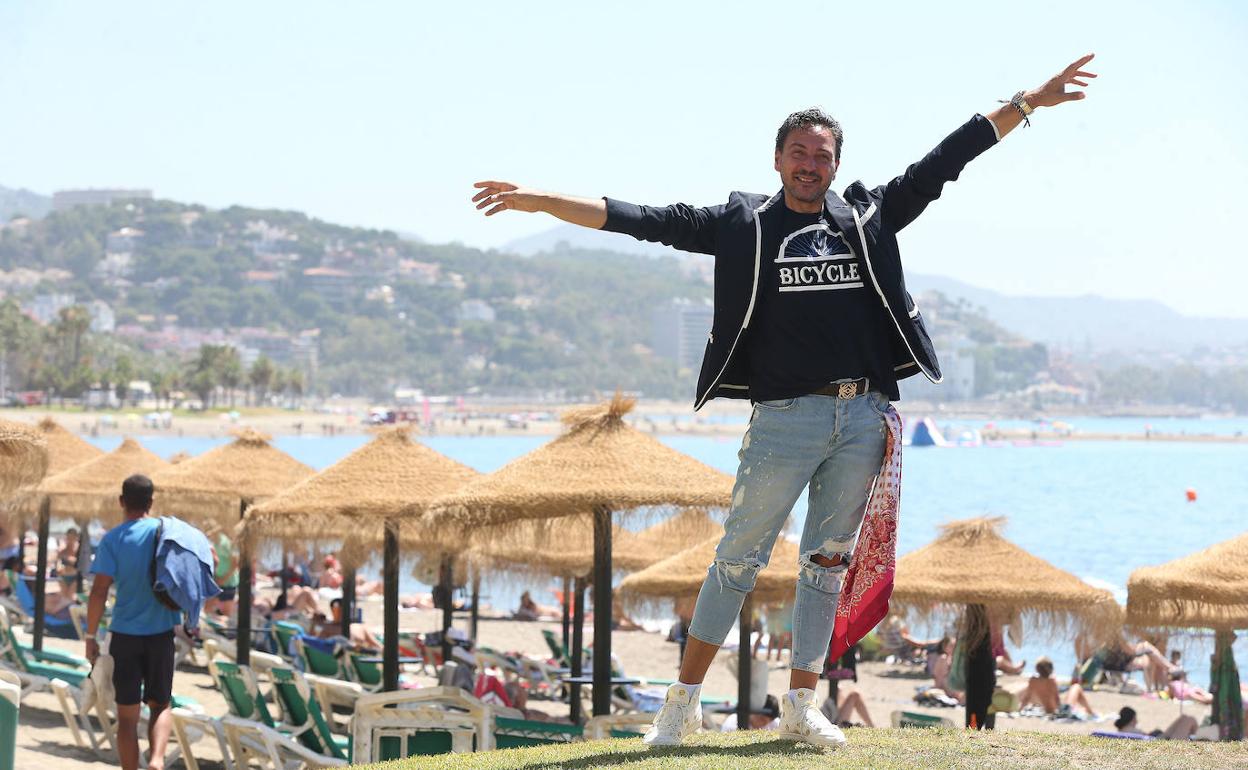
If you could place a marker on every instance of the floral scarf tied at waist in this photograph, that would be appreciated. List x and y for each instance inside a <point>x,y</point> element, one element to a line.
<point>869,579</point>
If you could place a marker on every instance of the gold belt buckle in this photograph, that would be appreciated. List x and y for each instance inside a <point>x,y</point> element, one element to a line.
<point>847,390</point>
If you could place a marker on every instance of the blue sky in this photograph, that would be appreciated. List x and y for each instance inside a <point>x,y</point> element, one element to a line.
<point>383,114</point>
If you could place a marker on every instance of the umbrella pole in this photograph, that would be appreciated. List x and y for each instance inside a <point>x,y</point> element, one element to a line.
<point>578,646</point>
<point>448,604</point>
<point>744,663</point>
<point>476,598</point>
<point>567,604</point>
<point>390,643</point>
<point>84,554</point>
<point>41,573</point>
<point>285,578</point>
<point>243,642</point>
<point>602,611</point>
<point>348,601</point>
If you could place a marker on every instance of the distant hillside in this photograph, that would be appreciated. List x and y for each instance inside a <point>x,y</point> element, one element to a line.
<point>13,202</point>
<point>1090,322</point>
<point>572,237</point>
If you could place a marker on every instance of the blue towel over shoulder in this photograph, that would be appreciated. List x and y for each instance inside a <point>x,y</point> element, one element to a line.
<point>184,567</point>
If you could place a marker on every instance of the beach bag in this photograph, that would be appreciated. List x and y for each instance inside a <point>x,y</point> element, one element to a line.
<point>158,589</point>
<point>957,668</point>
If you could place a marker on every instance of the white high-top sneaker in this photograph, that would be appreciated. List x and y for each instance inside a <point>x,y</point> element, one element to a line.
<point>680,716</point>
<point>801,720</point>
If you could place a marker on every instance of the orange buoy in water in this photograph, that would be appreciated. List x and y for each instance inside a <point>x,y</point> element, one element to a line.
<point>1191,495</point>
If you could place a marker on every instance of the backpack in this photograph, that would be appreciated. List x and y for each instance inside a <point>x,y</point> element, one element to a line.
<point>161,594</point>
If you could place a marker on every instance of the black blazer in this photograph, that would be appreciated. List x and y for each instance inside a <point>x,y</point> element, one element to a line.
<point>738,232</point>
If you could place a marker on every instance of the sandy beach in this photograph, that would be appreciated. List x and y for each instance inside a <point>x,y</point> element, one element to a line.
<point>43,741</point>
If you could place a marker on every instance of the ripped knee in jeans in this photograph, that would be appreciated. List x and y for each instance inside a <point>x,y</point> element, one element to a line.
<point>737,575</point>
<point>823,571</point>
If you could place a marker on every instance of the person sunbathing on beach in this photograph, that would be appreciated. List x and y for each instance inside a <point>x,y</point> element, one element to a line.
<point>531,610</point>
<point>1179,730</point>
<point>1182,690</point>
<point>940,670</point>
<point>1041,690</point>
<point>1124,656</point>
<point>1005,664</point>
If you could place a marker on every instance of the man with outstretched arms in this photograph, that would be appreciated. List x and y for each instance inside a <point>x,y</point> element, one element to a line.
<point>813,324</point>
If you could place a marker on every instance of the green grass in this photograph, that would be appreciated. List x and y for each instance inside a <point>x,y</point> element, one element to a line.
<point>867,750</point>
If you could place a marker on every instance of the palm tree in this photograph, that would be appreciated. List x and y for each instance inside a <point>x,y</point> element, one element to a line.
<point>262,377</point>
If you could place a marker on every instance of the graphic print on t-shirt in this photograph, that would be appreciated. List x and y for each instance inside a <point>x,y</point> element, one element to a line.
<point>816,258</point>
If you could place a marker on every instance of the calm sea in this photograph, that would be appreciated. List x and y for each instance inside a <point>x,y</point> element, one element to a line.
<point>1096,509</point>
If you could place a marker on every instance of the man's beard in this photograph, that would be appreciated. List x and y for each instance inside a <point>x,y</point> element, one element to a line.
<point>792,189</point>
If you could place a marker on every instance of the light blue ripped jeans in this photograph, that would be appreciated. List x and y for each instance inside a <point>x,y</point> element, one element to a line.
<point>834,445</point>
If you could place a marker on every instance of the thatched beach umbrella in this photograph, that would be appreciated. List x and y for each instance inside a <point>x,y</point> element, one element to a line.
<point>971,564</point>
<point>680,576</point>
<point>599,464</point>
<point>23,457</point>
<point>360,501</point>
<point>90,490</point>
<point>1207,589</point>
<point>688,528</point>
<point>84,492</point>
<point>223,483</point>
<point>65,449</point>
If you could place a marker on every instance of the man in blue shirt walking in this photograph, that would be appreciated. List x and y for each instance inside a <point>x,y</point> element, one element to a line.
<point>142,627</point>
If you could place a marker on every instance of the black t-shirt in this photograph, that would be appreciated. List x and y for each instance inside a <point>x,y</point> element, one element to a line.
<point>818,317</point>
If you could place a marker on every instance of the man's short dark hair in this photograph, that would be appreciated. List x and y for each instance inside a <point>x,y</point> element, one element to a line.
<point>136,493</point>
<point>811,118</point>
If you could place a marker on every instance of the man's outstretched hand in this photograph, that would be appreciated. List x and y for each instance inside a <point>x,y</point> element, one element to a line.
<point>1054,91</point>
<point>500,196</point>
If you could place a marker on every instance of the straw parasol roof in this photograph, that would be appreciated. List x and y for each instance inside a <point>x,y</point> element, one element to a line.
<point>970,563</point>
<point>681,575</point>
<point>65,449</point>
<point>215,483</point>
<point>91,489</point>
<point>598,462</point>
<point>562,548</point>
<point>1208,589</point>
<point>389,477</point>
<point>673,535</point>
<point>23,457</point>
<point>179,457</point>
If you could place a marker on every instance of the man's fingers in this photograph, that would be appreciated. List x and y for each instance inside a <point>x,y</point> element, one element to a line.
<point>1082,74</point>
<point>500,207</point>
<point>494,183</point>
<point>483,194</point>
<point>1073,96</point>
<point>1078,82</point>
<point>1082,61</point>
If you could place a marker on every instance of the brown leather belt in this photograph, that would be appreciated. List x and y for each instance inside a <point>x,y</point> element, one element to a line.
<point>848,389</point>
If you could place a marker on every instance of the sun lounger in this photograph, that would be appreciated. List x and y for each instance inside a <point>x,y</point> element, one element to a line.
<point>617,726</point>
<point>321,656</point>
<point>95,697</point>
<point>189,726</point>
<point>253,743</point>
<point>10,707</point>
<point>58,627</point>
<point>49,663</point>
<point>916,719</point>
<point>241,690</point>
<point>304,719</point>
<point>431,720</point>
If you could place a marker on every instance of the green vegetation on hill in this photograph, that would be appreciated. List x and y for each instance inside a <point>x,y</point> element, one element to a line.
<point>910,749</point>
<point>391,312</point>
